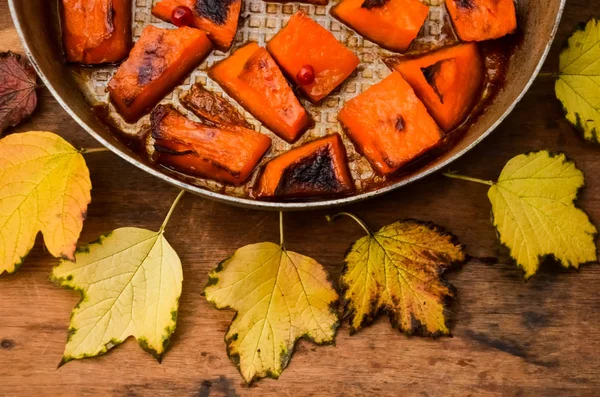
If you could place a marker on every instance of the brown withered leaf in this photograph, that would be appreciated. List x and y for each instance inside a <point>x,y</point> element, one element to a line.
<point>18,82</point>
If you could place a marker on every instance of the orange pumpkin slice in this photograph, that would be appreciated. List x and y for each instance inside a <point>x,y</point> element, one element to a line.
<point>251,77</point>
<point>478,20</point>
<point>159,61</point>
<point>389,125</point>
<point>304,42</point>
<point>317,168</point>
<point>226,153</point>
<point>96,31</point>
<point>393,24</point>
<point>449,81</point>
<point>219,19</point>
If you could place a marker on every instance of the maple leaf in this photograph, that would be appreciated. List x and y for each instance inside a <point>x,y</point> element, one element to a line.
<point>578,83</point>
<point>398,270</point>
<point>44,186</point>
<point>279,296</point>
<point>18,83</point>
<point>130,283</point>
<point>534,212</point>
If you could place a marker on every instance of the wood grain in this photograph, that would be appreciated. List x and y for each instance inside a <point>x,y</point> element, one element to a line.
<point>511,337</point>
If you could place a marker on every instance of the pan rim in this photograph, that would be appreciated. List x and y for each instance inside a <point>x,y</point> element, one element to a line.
<point>274,205</point>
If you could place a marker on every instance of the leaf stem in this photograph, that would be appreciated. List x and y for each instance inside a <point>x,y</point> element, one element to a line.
<point>94,150</point>
<point>468,178</point>
<point>356,219</point>
<point>547,74</point>
<point>177,199</point>
<point>281,236</point>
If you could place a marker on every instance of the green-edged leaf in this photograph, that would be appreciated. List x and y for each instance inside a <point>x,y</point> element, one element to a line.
<point>130,282</point>
<point>535,215</point>
<point>279,297</point>
<point>398,270</point>
<point>578,84</point>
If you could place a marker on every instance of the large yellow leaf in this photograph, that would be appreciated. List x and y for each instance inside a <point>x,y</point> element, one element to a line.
<point>44,186</point>
<point>398,270</point>
<point>130,282</point>
<point>535,215</point>
<point>279,297</point>
<point>578,84</point>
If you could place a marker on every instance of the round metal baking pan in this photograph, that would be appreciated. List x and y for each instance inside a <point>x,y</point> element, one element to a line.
<point>36,22</point>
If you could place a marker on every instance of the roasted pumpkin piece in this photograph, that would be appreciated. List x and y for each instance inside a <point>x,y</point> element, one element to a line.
<point>96,31</point>
<point>304,42</point>
<point>393,24</point>
<point>389,125</point>
<point>251,77</point>
<point>218,18</point>
<point>159,61</point>
<point>227,153</point>
<point>212,108</point>
<point>478,20</point>
<point>317,168</point>
<point>448,81</point>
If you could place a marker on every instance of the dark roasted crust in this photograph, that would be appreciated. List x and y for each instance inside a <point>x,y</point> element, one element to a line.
<point>215,10</point>
<point>369,4</point>
<point>212,108</point>
<point>312,174</point>
<point>430,73</point>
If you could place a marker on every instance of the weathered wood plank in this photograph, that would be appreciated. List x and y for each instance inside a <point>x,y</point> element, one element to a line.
<point>510,337</point>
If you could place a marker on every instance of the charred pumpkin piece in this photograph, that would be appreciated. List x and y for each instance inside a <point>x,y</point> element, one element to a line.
<point>226,153</point>
<point>212,108</point>
<point>218,18</point>
<point>159,61</point>
<point>389,125</point>
<point>304,42</point>
<point>96,31</point>
<point>253,79</point>
<point>478,20</point>
<point>448,81</point>
<point>393,24</point>
<point>317,168</point>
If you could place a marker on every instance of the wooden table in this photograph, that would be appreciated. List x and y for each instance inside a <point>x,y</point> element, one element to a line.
<point>511,337</point>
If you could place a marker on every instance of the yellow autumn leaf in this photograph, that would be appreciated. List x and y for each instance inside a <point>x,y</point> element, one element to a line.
<point>578,83</point>
<point>280,296</point>
<point>535,215</point>
<point>44,186</point>
<point>130,284</point>
<point>398,270</point>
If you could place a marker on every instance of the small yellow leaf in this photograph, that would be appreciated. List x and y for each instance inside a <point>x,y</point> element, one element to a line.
<point>397,270</point>
<point>44,186</point>
<point>534,211</point>
<point>578,84</point>
<point>130,282</point>
<point>279,297</point>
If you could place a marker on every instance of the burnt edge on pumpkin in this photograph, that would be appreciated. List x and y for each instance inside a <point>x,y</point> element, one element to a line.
<point>369,4</point>
<point>153,63</point>
<point>430,73</point>
<point>212,108</point>
<point>552,257</point>
<point>156,118</point>
<point>400,123</point>
<point>417,329</point>
<point>465,4</point>
<point>215,10</point>
<point>314,174</point>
